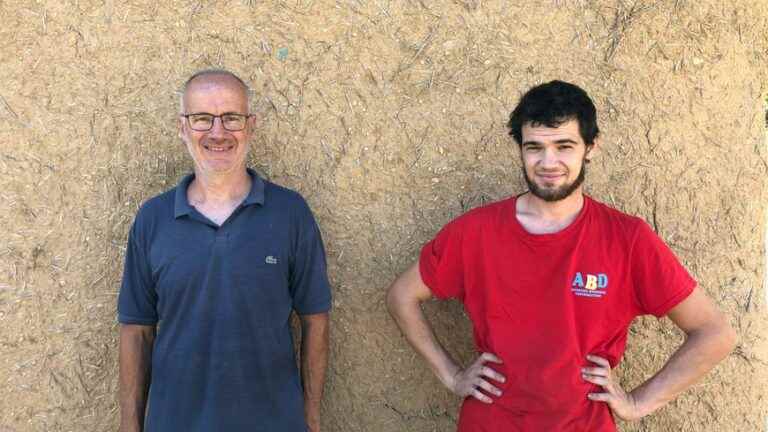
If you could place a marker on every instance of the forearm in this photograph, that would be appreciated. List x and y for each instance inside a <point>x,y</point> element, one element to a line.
<point>135,372</point>
<point>700,352</point>
<point>314,361</point>
<point>410,319</point>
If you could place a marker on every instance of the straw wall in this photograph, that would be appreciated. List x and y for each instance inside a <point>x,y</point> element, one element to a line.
<point>389,117</point>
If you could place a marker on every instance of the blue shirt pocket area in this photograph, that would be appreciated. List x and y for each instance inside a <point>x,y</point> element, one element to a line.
<point>259,282</point>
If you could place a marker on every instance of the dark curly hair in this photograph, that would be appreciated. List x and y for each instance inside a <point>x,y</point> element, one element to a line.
<point>552,104</point>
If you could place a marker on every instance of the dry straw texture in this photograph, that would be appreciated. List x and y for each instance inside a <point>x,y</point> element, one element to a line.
<point>389,117</point>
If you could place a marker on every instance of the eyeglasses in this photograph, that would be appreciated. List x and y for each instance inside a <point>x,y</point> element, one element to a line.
<point>203,122</point>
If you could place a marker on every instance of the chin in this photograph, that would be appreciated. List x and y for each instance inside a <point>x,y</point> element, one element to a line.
<point>219,168</point>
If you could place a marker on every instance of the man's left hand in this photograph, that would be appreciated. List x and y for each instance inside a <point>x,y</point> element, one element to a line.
<point>622,404</point>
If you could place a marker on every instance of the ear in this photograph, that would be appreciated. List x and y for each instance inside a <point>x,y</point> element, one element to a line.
<point>180,126</point>
<point>594,149</point>
<point>250,126</point>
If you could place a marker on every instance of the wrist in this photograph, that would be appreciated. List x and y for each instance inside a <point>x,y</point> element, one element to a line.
<point>643,405</point>
<point>312,415</point>
<point>448,376</point>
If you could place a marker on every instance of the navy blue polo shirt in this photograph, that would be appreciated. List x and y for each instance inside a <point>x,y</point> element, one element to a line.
<point>222,296</point>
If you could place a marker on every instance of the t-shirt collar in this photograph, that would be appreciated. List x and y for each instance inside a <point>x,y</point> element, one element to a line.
<point>550,237</point>
<point>182,206</point>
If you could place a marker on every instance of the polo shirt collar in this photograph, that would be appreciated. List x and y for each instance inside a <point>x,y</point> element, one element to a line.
<point>182,206</point>
<point>256,194</point>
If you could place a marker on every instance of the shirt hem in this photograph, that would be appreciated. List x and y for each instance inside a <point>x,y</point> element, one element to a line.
<point>124,319</point>
<point>674,301</point>
<point>427,278</point>
<point>325,307</point>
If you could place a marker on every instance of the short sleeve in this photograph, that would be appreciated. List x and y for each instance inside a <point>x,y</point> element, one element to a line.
<point>660,281</point>
<point>440,262</point>
<point>309,286</point>
<point>137,301</point>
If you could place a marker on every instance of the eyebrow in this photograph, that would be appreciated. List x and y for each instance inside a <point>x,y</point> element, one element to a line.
<point>224,113</point>
<point>560,141</point>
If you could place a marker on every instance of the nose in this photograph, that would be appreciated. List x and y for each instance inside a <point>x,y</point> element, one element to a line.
<point>549,158</point>
<point>217,129</point>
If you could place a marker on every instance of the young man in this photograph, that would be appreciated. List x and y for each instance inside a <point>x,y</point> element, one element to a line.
<point>219,262</point>
<point>551,279</point>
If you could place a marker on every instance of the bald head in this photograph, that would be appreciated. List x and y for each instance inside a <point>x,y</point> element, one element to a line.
<point>206,77</point>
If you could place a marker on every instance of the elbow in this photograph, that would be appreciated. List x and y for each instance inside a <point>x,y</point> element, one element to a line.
<point>721,337</point>
<point>400,299</point>
<point>726,335</point>
<point>406,293</point>
<point>729,338</point>
<point>392,298</point>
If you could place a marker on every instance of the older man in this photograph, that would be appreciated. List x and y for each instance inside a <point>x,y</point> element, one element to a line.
<point>213,269</point>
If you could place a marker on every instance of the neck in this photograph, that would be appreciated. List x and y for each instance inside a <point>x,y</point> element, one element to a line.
<point>564,210</point>
<point>221,188</point>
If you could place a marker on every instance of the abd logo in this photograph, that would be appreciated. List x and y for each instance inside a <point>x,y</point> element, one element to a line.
<point>589,285</point>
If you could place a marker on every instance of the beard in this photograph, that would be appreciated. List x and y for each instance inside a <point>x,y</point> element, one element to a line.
<point>558,193</point>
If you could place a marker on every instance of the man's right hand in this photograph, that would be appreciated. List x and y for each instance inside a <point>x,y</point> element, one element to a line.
<point>476,377</point>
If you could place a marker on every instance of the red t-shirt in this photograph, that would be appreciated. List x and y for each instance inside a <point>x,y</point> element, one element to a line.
<point>543,302</point>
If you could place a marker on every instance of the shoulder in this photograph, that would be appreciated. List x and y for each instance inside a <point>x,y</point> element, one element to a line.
<point>283,198</point>
<point>622,230</point>
<point>281,195</point>
<point>614,217</point>
<point>289,204</point>
<point>150,217</point>
<point>489,212</point>
<point>156,208</point>
<point>484,215</point>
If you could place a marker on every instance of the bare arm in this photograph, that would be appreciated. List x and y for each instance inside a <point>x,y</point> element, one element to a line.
<point>709,338</point>
<point>314,360</point>
<point>136,342</point>
<point>404,303</point>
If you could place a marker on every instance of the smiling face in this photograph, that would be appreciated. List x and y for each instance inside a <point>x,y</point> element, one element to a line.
<point>553,159</point>
<point>216,151</point>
